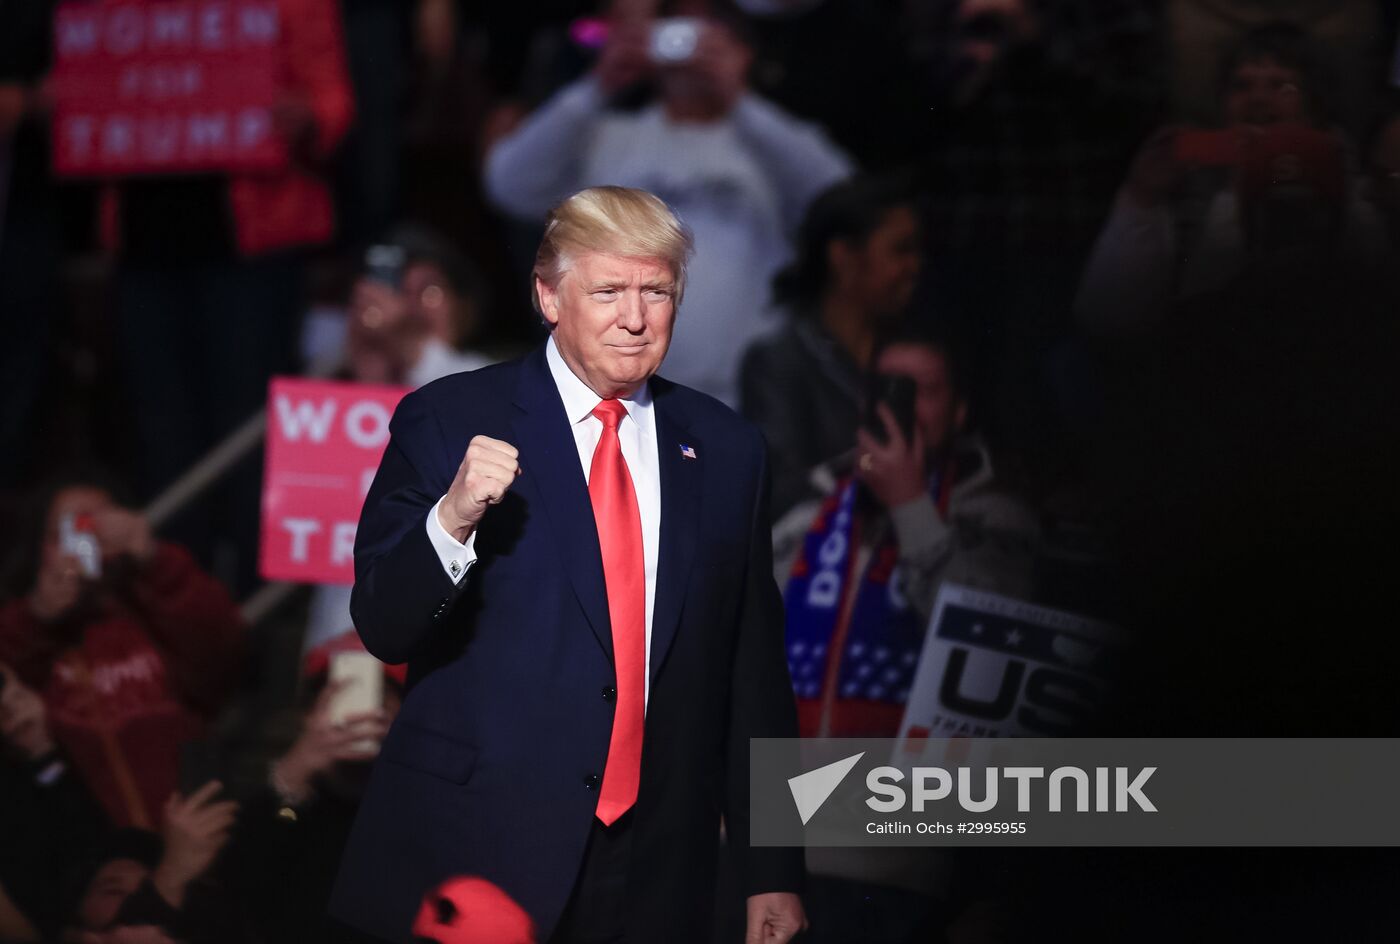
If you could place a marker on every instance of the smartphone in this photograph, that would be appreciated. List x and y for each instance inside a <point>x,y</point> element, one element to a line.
<point>897,392</point>
<point>674,40</point>
<point>77,535</point>
<point>385,264</point>
<point>361,677</point>
<point>199,764</point>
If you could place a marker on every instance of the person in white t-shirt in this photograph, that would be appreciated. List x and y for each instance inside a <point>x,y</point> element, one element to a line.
<point>738,170</point>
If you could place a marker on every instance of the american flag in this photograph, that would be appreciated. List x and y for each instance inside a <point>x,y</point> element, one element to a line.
<point>877,673</point>
<point>688,451</point>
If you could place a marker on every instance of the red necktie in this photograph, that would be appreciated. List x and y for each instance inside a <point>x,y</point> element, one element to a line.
<point>624,571</point>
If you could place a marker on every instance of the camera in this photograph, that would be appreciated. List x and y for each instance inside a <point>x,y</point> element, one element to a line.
<point>674,40</point>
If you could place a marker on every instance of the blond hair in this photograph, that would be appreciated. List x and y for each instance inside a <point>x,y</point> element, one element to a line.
<point>620,221</point>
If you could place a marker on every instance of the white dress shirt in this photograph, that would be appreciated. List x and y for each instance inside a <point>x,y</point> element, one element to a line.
<point>637,436</point>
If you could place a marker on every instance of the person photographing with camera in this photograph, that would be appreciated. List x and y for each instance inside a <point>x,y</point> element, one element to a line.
<point>738,169</point>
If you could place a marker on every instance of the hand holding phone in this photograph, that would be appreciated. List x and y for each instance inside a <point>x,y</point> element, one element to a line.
<point>890,459</point>
<point>896,392</point>
<point>347,723</point>
<point>357,680</point>
<point>625,59</point>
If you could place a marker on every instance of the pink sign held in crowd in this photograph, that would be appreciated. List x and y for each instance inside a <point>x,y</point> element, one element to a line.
<point>324,442</point>
<point>175,86</point>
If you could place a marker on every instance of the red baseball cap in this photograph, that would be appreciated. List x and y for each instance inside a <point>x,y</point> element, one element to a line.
<point>469,910</point>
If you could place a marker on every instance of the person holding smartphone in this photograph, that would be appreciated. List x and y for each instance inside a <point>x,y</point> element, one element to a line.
<point>737,168</point>
<point>292,832</point>
<point>132,647</point>
<point>914,504</point>
<point>1271,190</point>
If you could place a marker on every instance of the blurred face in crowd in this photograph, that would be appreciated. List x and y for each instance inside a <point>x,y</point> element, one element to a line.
<point>880,274</point>
<point>1263,92</point>
<point>434,304</point>
<point>938,410</point>
<point>985,28</point>
<point>611,317</point>
<point>111,886</point>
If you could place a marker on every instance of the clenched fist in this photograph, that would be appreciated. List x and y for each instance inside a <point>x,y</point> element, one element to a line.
<point>487,470</point>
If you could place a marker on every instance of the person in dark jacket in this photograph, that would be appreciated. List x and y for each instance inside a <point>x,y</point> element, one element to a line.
<point>46,814</point>
<point>858,259</point>
<point>292,832</point>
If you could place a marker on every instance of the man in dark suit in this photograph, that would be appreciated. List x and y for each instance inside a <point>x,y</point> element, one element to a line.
<point>586,603</point>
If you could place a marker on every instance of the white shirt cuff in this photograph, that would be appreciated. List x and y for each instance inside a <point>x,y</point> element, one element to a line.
<point>457,558</point>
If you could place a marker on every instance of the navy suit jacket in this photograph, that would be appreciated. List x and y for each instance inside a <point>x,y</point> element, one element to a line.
<point>493,764</point>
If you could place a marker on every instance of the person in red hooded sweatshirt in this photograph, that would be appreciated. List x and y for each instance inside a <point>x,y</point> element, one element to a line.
<point>132,648</point>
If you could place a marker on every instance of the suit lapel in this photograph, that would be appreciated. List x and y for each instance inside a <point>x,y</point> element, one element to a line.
<point>549,458</point>
<point>680,518</point>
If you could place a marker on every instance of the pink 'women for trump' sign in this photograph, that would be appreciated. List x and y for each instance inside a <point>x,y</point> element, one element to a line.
<point>324,442</point>
<point>165,86</point>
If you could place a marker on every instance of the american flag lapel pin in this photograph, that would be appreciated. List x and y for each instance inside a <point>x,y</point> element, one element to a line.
<point>687,452</point>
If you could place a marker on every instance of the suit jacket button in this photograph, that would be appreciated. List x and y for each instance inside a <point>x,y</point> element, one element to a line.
<point>609,693</point>
<point>591,782</point>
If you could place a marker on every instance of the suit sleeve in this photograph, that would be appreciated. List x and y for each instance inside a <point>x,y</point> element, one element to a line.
<point>402,595</point>
<point>762,703</point>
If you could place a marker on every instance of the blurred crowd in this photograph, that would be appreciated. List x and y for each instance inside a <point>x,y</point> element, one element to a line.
<point>1091,303</point>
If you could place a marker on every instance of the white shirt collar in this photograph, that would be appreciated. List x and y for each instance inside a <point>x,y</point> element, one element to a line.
<point>579,398</point>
